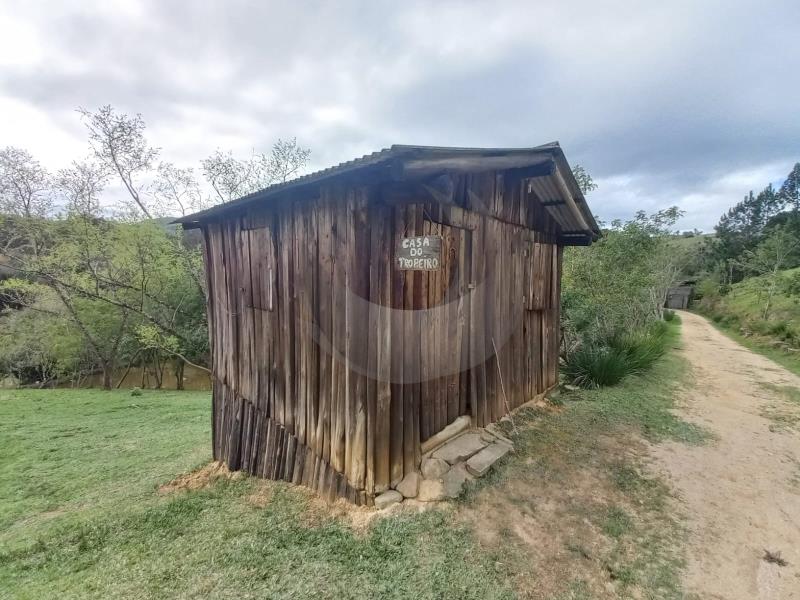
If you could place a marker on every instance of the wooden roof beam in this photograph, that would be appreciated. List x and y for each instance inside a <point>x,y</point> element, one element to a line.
<point>440,189</point>
<point>422,167</point>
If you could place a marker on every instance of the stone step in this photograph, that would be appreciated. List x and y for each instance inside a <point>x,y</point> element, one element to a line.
<point>460,448</point>
<point>481,462</point>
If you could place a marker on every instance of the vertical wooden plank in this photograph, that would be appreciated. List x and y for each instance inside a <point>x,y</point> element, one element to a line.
<point>312,338</point>
<point>410,353</point>
<point>339,315</point>
<point>372,361</point>
<point>289,462</point>
<point>384,349</point>
<point>299,463</point>
<point>349,333</point>
<point>287,316</point>
<point>359,337</point>
<point>296,406</point>
<point>427,349</point>
<point>477,329</point>
<point>464,271</point>
<point>325,322</point>
<point>491,253</point>
<point>398,334</point>
<point>454,331</point>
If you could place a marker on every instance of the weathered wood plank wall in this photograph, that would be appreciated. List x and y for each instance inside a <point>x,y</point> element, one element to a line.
<point>319,382</point>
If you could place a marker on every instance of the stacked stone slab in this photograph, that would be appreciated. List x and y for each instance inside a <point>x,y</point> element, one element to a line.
<point>446,468</point>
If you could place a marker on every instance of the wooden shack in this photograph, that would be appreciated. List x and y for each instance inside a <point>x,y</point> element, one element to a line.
<point>680,295</point>
<point>356,311</point>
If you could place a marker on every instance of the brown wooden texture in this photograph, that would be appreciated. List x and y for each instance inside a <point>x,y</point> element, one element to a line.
<point>331,365</point>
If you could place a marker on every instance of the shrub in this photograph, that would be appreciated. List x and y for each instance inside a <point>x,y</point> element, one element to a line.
<point>730,320</point>
<point>778,328</point>
<point>596,366</point>
<point>136,391</point>
<point>669,315</point>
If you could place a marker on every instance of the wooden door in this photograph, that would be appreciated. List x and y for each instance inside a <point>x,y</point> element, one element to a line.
<point>443,302</point>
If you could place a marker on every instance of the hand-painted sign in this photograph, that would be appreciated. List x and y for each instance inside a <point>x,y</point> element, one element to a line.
<point>421,253</point>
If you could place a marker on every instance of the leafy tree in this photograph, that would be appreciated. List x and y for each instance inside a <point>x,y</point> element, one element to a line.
<point>128,289</point>
<point>82,185</point>
<point>112,278</point>
<point>779,251</point>
<point>750,221</point>
<point>177,191</point>
<point>790,190</point>
<point>620,282</point>
<point>38,345</point>
<point>119,145</point>
<point>231,178</point>
<point>25,200</point>
<point>742,227</point>
<point>25,186</point>
<point>585,181</point>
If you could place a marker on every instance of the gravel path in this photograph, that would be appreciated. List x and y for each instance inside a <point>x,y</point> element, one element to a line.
<point>740,491</point>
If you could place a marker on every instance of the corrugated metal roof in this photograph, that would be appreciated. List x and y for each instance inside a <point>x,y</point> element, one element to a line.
<point>546,188</point>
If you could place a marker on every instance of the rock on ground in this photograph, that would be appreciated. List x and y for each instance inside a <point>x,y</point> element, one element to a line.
<point>409,486</point>
<point>430,490</point>
<point>453,481</point>
<point>386,499</point>
<point>434,468</point>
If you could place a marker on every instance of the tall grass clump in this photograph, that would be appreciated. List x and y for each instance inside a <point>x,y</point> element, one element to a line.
<point>608,361</point>
<point>595,366</point>
<point>643,347</point>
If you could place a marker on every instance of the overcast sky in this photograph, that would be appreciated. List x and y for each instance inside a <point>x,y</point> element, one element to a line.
<point>689,103</point>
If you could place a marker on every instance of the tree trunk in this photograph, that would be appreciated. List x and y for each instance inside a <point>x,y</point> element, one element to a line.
<point>179,367</point>
<point>157,370</point>
<point>108,374</point>
<point>770,292</point>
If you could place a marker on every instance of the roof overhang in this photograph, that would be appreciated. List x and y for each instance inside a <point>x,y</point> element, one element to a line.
<point>550,178</point>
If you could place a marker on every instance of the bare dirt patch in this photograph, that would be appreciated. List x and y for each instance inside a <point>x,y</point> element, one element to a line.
<point>738,490</point>
<point>571,514</point>
<point>198,479</point>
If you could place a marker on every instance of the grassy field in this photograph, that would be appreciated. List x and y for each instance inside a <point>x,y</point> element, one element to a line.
<point>740,315</point>
<point>80,516</point>
<point>573,514</point>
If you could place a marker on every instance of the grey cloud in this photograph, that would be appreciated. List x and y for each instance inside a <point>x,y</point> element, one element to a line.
<point>659,102</point>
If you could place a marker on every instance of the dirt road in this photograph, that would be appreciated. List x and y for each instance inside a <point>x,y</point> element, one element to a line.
<point>741,491</point>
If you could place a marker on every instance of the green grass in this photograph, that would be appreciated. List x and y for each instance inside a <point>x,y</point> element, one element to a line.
<point>617,523</point>
<point>70,455</point>
<point>81,516</point>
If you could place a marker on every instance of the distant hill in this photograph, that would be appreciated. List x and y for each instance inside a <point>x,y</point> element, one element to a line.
<point>692,241</point>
